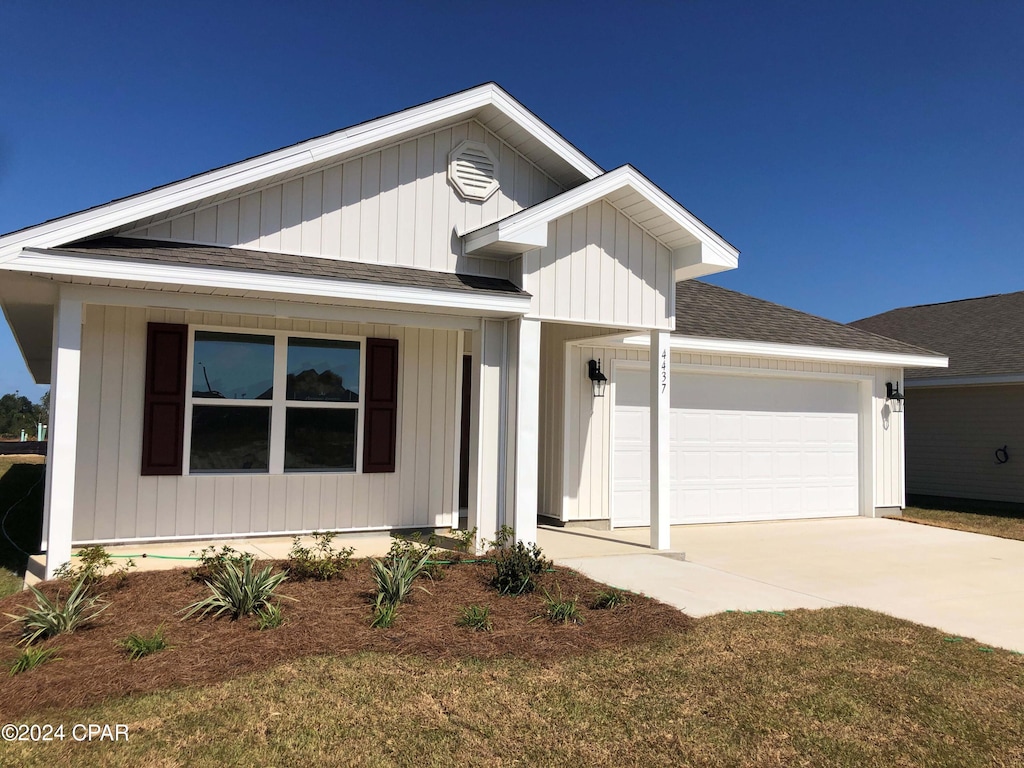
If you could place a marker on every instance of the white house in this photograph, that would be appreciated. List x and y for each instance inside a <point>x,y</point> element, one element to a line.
<point>394,322</point>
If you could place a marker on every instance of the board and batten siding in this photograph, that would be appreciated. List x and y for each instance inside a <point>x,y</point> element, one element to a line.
<point>114,502</point>
<point>952,437</point>
<point>389,206</point>
<point>601,267</point>
<point>587,429</point>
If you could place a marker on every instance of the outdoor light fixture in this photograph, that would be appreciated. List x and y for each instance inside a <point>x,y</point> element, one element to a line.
<point>892,392</point>
<point>597,379</point>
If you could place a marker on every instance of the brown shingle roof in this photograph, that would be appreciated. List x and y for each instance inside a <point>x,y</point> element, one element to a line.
<point>709,311</point>
<point>982,336</point>
<point>221,257</point>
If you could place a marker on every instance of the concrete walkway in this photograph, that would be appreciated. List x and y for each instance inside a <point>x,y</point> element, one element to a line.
<point>963,583</point>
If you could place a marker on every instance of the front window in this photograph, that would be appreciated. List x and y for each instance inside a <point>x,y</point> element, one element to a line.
<point>274,403</point>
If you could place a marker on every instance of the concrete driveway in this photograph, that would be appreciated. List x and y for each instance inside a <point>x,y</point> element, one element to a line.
<point>963,583</point>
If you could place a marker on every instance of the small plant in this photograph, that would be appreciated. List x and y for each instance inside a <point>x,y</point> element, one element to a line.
<point>414,548</point>
<point>211,560</point>
<point>558,610</point>
<point>93,565</point>
<point>476,617</point>
<point>464,540</point>
<point>515,567</point>
<point>30,658</point>
<point>52,617</point>
<point>321,561</point>
<point>394,576</point>
<point>237,590</point>
<point>610,598</point>
<point>269,617</point>
<point>137,645</point>
<point>384,613</point>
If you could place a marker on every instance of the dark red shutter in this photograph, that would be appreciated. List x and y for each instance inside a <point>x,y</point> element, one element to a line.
<point>163,421</point>
<point>380,412</point>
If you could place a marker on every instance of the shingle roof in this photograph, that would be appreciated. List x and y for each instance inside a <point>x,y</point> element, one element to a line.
<point>219,257</point>
<point>710,311</point>
<point>982,336</point>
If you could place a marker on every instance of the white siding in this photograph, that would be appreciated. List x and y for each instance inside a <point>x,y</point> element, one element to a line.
<point>392,206</point>
<point>601,267</point>
<point>113,500</point>
<point>587,448</point>
<point>952,437</point>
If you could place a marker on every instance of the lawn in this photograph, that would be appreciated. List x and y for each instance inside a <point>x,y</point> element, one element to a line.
<point>991,518</point>
<point>638,684</point>
<point>21,505</point>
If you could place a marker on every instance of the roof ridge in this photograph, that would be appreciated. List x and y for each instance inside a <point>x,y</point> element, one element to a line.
<point>942,303</point>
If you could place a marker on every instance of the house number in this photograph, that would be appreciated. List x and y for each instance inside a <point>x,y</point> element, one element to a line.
<point>664,370</point>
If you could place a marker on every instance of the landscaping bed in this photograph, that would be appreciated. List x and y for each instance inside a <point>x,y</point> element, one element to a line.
<point>325,617</point>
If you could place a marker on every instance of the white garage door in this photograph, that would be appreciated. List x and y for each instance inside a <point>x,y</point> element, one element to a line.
<point>742,448</point>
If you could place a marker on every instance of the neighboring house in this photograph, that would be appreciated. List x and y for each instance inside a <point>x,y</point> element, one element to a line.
<point>391,324</point>
<point>965,423</point>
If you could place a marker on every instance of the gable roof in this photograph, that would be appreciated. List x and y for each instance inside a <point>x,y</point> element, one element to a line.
<point>983,336</point>
<point>489,103</point>
<point>698,249</point>
<point>711,312</point>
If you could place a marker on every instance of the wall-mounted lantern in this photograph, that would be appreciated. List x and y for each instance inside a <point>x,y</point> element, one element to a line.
<point>597,379</point>
<point>892,394</point>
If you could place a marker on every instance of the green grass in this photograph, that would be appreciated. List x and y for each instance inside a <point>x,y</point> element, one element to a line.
<point>990,518</point>
<point>838,687</point>
<point>21,492</point>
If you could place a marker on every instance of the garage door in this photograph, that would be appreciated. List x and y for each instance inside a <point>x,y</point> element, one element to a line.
<point>742,448</point>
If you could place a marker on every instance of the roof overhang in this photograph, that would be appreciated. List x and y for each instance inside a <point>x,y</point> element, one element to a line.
<point>711,346</point>
<point>697,249</point>
<point>163,276</point>
<point>488,103</point>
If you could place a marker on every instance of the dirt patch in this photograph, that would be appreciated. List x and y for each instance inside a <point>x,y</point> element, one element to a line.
<point>325,618</point>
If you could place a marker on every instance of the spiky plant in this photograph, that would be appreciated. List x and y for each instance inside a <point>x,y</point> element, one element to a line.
<point>384,613</point>
<point>558,610</point>
<point>269,617</point>
<point>54,617</point>
<point>476,617</point>
<point>237,590</point>
<point>30,658</point>
<point>394,576</point>
<point>137,645</point>
<point>610,598</point>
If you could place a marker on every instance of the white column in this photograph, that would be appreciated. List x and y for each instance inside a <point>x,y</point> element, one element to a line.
<point>527,430</point>
<point>486,470</point>
<point>58,508</point>
<point>661,387</point>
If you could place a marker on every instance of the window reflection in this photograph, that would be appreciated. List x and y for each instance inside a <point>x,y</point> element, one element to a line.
<point>233,366</point>
<point>323,370</point>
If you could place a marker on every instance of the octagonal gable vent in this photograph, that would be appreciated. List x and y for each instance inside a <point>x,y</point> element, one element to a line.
<point>473,169</point>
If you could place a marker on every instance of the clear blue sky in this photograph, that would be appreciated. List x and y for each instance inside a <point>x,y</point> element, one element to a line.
<point>861,155</point>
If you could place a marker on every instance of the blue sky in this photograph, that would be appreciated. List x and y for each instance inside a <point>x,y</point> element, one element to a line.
<point>862,156</point>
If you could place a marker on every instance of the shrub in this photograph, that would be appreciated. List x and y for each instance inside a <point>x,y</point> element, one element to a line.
<point>464,540</point>
<point>93,564</point>
<point>384,613</point>
<point>516,566</point>
<point>211,560</point>
<point>321,561</point>
<point>52,617</point>
<point>238,591</point>
<point>413,548</point>
<point>476,617</point>
<point>269,617</point>
<point>30,658</point>
<point>137,646</point>
<point>561,611</point>
<point>610,598</point>
<point>394,576</point>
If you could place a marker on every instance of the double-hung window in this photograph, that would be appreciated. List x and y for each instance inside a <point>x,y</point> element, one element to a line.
<point>273,402</point>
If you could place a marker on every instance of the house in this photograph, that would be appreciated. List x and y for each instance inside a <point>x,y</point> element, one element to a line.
<point>407,320</point>
<point>965,423</point>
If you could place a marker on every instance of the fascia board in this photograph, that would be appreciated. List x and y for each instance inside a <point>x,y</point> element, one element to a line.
<point>965,381</point>
<point>55,263</point>
<point>519,227</point>
<point>86,223</point>
<point>796,351</point>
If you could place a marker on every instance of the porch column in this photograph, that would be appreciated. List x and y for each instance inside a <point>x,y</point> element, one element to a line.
<point>661,380</point>
<point>58,507</point>
<point>486,440</point>
<point>527,430</point>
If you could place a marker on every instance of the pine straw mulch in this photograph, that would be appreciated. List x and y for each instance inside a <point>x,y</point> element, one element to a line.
<point>326,618</point>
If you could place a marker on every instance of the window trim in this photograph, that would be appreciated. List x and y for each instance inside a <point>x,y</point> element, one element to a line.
<point>278,404</point>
